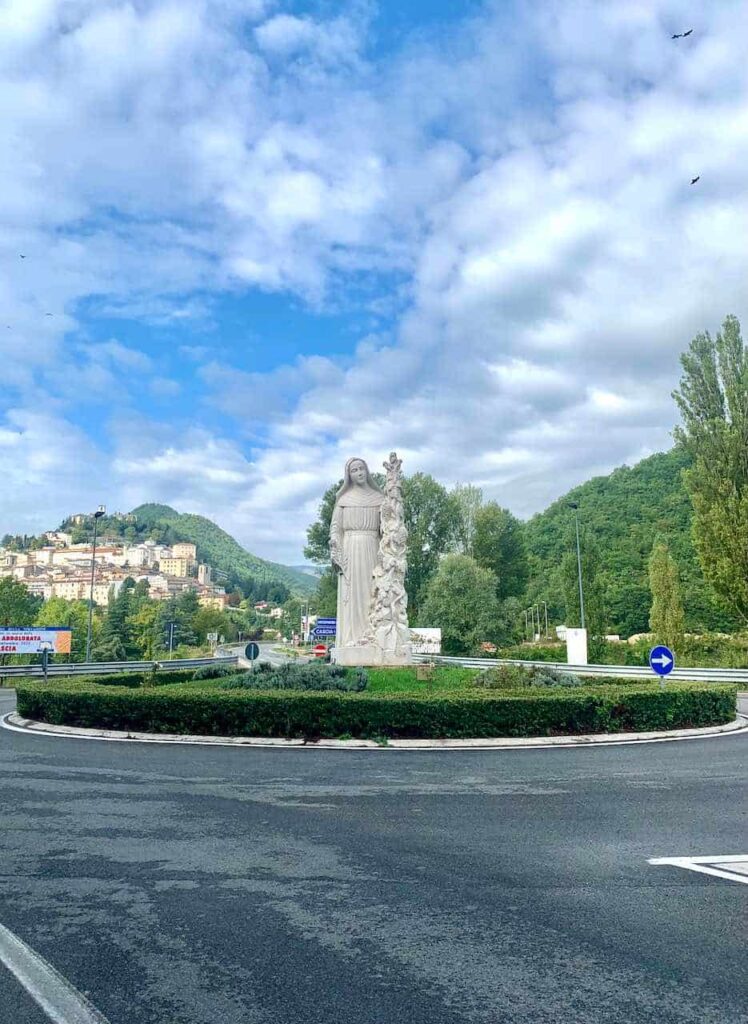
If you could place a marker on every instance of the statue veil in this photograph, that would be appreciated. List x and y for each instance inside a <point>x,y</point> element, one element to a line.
<point>370,495</point>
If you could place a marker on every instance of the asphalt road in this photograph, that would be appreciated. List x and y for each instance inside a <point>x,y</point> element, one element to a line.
<point>190,885</point>
<point>268,652</point>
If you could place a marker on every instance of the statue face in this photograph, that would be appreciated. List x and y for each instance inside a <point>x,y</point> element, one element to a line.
<point>358,472</point>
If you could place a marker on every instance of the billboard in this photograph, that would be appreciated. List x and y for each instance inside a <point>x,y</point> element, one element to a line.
<point>22,640</point>
<point>426,640</point>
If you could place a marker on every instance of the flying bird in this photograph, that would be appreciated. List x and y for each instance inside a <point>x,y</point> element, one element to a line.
<point>22,256</point>
<point>694,180</point>
<point>682,35</point>
<point>49,314</point>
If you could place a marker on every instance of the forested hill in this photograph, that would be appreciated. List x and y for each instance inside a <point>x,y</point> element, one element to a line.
<point>218,548</point>
<point>625,511</point>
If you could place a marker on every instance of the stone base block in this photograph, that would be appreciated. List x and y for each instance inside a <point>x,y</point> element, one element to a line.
<point>370,657</point>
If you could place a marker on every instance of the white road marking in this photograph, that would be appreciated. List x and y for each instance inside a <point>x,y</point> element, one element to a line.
<point>733,867</point>
<point>60,1000</point>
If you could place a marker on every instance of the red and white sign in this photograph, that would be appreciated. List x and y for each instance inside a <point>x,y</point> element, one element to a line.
<point>319,650</point>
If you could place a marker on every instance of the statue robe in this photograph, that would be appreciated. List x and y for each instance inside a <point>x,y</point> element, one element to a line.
<point>355,532</point>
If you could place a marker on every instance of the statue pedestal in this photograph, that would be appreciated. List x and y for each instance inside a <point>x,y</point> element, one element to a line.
<point>370,656</point>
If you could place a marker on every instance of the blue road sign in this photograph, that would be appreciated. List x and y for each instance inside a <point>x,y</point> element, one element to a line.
<point>252,651</point>
<point>661,660</point>
<point>323,631</point>
<point>330,623</point>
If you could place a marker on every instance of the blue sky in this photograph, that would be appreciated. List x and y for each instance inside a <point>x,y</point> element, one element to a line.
<point>273,235</point>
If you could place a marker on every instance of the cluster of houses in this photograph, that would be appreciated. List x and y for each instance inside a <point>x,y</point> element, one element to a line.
<point>63,569</point>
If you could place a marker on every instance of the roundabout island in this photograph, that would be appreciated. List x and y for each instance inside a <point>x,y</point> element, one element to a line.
<point>391,706</point>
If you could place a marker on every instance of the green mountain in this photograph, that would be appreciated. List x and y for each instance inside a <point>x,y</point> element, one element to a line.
<point>236,567</point>
<point>625,511</point>
<point>218,548</point>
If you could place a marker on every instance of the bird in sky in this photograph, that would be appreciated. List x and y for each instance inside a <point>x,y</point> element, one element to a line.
<point>49,314</point>
<point>22,256</point>
<point>682,35</point>
<point>694,180</point>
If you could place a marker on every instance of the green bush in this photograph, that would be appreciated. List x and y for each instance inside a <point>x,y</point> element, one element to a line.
<point>533,652</point>
<point>290,676</point>
<point>194,710</point>
<point>215,671</point>
<point>518,677</point>
<point>135,679</point>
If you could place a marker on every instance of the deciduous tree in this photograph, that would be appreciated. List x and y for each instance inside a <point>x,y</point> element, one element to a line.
<point>713,402</point>
<point>499,545</point>
<point>461,599</point>
<point>17,606</point>
<point>666,614</point>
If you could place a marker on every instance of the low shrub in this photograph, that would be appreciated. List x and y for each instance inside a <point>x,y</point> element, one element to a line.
<point>283,713</point>
<point>533,652</point>
<point>148,677</point>
<point>215,671</point>
<point>518,677</point>
<point>290,676</point>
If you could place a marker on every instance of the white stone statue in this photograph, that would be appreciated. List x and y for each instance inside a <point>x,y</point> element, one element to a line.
<point>354,548</point>
<point>368,542</point>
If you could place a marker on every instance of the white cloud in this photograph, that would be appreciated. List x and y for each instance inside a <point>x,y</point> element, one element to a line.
<point>527,178</point>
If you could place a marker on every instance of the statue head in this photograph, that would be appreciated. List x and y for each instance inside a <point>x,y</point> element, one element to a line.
<point>357,477</point>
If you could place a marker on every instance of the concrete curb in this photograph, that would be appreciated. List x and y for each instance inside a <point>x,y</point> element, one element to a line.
<point>15,723</point>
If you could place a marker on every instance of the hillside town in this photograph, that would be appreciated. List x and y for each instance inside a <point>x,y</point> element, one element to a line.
<point>63,569</point>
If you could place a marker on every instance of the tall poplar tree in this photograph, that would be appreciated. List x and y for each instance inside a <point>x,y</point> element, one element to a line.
<point>713,402</point>
<point>666,615</point>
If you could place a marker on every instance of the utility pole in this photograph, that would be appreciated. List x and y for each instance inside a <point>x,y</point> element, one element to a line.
<point>100,511</point>
<point>545,607</point>
<point>575,506</point>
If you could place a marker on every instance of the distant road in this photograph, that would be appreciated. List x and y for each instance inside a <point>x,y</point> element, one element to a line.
<point>267,652</point>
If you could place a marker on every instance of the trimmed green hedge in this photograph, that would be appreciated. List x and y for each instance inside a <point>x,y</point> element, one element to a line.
<point>204,710</point>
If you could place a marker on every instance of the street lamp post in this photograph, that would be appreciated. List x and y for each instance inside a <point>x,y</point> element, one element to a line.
<point>545,608</point>
<point>525,633</point>
<point>100,511</point>
<point>575,506</point>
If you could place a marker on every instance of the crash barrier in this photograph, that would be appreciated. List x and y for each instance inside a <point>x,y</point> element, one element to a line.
<point>710,675</point>
<point>100,668</point>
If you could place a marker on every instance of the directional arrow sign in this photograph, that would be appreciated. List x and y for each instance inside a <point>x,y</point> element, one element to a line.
<point>661,660</point>
<point>323,631</point>
<point>330,623</point>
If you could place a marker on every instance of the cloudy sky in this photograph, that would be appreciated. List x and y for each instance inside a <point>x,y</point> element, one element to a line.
<point>242,240</point>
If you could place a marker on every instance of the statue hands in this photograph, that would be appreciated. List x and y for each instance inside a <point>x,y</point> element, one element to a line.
<point>339,560</point>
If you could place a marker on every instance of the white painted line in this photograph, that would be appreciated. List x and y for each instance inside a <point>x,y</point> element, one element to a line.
<point>705,865</point>
<point>731,859</point>
<point>60,1000</point>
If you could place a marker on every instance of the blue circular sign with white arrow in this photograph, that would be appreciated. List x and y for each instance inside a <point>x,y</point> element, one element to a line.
<point>661,660</point>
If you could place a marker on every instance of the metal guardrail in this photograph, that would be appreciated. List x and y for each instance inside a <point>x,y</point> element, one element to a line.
<point>713,675</point>
<point>107,667</point>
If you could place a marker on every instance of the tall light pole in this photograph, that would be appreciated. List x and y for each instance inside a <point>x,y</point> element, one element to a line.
<point>575,506</point>
<point>100,511</point>
<point>545,607</point>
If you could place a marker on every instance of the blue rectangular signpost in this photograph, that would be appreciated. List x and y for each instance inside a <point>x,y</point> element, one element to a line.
<point>325,627</point>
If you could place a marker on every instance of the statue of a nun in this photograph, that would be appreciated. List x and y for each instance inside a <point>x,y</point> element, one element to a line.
<point>354,547</point>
